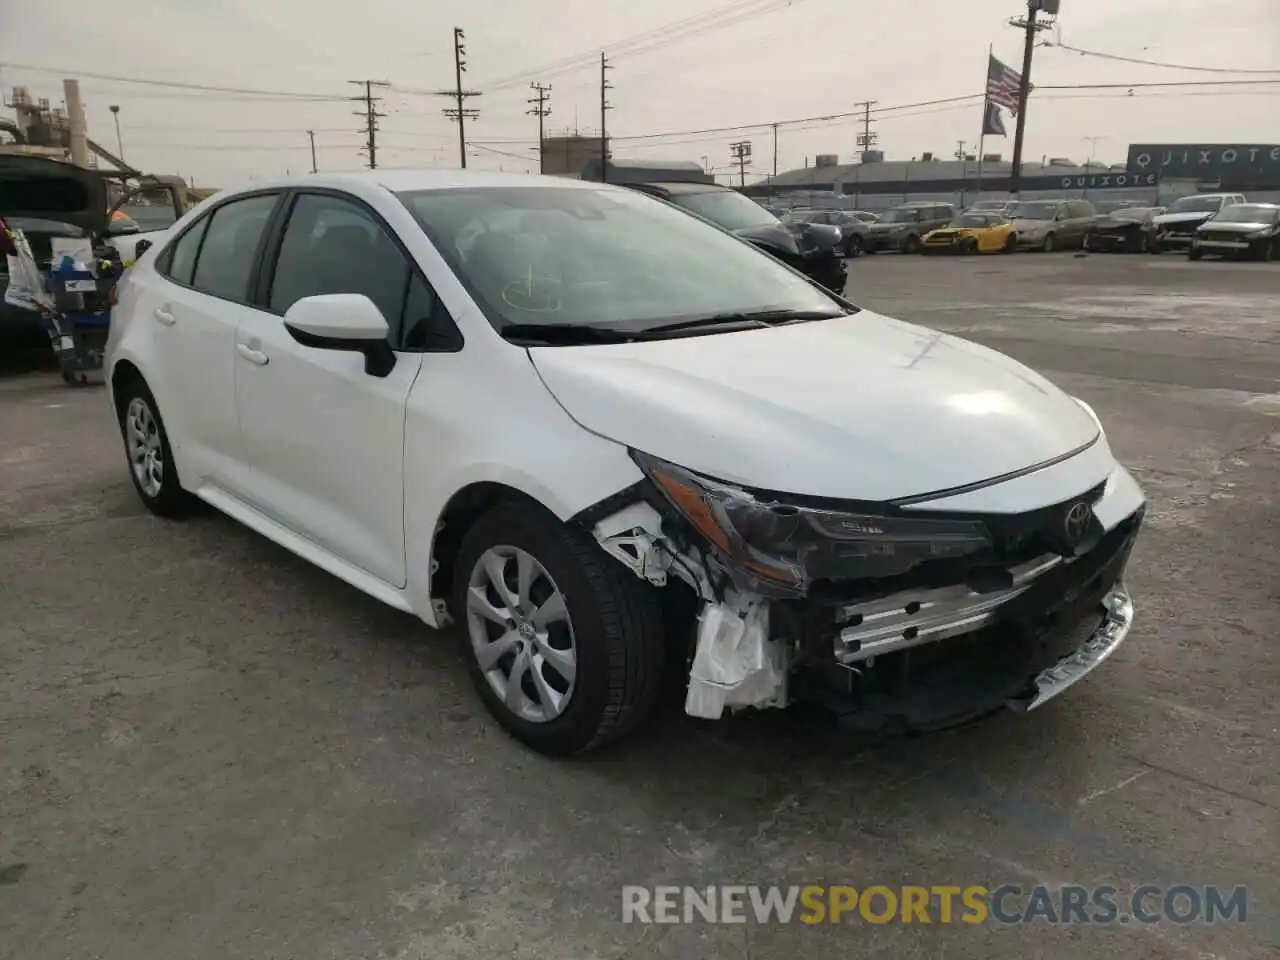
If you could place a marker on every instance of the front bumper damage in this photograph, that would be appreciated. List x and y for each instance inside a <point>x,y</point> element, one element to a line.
<point>909,651</point>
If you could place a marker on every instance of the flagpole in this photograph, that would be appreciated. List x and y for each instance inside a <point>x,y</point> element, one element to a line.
<point>982,137</point>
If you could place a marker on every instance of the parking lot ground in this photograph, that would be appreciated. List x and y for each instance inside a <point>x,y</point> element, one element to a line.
<point>210,749</point>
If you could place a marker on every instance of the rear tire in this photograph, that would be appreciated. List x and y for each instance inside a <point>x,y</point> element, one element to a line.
<point>150,456</point>
<point>1194,254</point>
<point>610,636</point>
<point>911,245</point>
<point>853,247</point>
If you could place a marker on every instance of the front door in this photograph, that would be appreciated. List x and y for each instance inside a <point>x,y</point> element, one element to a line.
<point>324,439</point>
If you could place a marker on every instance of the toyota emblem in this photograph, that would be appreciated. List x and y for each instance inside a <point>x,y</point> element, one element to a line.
<point>1076,521</point>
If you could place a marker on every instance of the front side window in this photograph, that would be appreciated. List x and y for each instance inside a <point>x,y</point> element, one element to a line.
<point>332,245</point>
<point>229,252</point>
<point>601,258</point>
<point>1034,210</point>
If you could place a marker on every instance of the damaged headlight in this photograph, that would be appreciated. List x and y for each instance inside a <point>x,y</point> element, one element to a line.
<point>779,548</point>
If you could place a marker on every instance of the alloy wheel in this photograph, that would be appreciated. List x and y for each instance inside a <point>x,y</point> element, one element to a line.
<point>146,453</point>
<point>521,633</point>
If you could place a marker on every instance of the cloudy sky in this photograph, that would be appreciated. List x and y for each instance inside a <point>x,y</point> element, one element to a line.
<point>680,67</point>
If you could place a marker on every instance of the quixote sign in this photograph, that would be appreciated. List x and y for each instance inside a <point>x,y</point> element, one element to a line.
<point>1254,164</point>
<point>1103,181</point>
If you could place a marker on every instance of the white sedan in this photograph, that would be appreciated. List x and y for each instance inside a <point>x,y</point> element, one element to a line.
<point>607,438</point>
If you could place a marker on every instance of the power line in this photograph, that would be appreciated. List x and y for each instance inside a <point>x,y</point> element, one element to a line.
<point>541,109</point>
<point>655,38</point>
<point>460,113</point>
<point>371,117</point>
<point>172,84</point>
<point>1154,63</point>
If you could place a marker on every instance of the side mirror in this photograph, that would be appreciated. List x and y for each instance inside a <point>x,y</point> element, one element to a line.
<point>343,321</point>
<point>143,246</point>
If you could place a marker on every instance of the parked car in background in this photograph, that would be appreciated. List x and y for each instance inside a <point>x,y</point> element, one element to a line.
<point>814,252</point>
<point>1104,207</point>
<point>1124,230</point>
<point>972,233</point>
<point>1050,225</point>
<point>602,437</point>
<point>902,227</point>
<point>1176,228</point>
<point>1240,230</point>
<point>864,215</point>
<point>991,206</point>
<point>852,230</point>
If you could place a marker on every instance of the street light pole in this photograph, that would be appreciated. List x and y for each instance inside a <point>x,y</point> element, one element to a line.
<point>115,112</point>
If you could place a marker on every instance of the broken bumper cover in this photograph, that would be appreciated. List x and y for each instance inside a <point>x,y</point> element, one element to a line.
<point>1076,666</point>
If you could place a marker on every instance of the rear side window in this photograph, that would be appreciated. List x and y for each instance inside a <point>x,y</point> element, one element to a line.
<point>230,247</point>
<point>180,264</point>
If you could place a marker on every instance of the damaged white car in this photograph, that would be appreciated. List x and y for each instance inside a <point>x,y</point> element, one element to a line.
<point>606,439</point>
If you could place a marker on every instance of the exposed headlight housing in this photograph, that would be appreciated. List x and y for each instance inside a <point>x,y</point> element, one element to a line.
<point>778,548</point>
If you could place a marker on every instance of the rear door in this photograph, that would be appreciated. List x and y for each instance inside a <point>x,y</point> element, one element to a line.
<point>196,299</point>
<point>325,439</point>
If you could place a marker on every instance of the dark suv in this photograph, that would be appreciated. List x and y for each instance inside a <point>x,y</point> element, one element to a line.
<point>901,227</point>
<point>814,252</point>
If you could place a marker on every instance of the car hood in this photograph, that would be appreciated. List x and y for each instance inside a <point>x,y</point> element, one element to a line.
<point>1235,226</point>
<point>41,188</point>
<point>772,235</point>
<point>860,407</point>
<point>1117,223</point>
<point>1168,219</point>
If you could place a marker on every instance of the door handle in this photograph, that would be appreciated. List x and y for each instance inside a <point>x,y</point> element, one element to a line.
<point>253,356</point>
<point>165,317</point>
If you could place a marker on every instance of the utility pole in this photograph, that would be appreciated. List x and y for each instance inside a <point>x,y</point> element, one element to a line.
<point>741,153</point>
<point>866,139</point>
<point>605,107</point>
<point>775,149</point>
<point>371,116</point>
<point>541,109</point>
<point>115,112</point>
<point>311,135</point>
<point>1030,26</point>
<point>460,113</point>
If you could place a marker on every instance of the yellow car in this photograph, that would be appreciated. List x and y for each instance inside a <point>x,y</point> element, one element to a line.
<point>972,233</point>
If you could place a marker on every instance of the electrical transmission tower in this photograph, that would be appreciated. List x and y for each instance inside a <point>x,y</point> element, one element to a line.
<point>371,116</point>
<point>460,113</point>
<point>541,108</point>
<point>605,107</point>
<point>741,153</point>
<point>867,138</point>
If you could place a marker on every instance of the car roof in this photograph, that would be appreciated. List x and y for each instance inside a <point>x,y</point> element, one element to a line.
<point>398,181</point>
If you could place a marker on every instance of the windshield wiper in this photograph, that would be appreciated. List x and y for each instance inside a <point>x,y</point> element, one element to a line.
<point>760,318</point>
<point>563,334</point>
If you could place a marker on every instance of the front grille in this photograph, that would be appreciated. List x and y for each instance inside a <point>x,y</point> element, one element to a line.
<point>1182,229</point>
<point>1220,237</point>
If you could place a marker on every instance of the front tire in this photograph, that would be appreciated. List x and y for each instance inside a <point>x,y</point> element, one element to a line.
<point>1010,244</point>
<point>1050,243</point>
<point>853,247</point>
<point>564,645</point>
<point>1194,254</point>
<point>146,445</point>
<point>912,244</point>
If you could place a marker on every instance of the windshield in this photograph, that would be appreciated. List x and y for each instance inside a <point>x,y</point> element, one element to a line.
<point>990,204</point>
<point>602,258</point>
<point>972,220</point>
<point>1034,211</point>
<point>1131,213</point>
<point>149,216</point>
<point>900,215</point>
<point>1248,213</point>
<point>726,208</point>
<point>54,228</point>
<point>1196,205</point>
<point>804,216</point>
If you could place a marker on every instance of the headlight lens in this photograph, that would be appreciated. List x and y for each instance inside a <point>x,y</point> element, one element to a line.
<point>778,548</point>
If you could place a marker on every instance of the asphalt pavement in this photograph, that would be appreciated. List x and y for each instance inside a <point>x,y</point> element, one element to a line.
<point>209,749</point>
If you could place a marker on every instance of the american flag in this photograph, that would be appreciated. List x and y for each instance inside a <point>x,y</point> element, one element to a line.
<point>1003,84</point>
